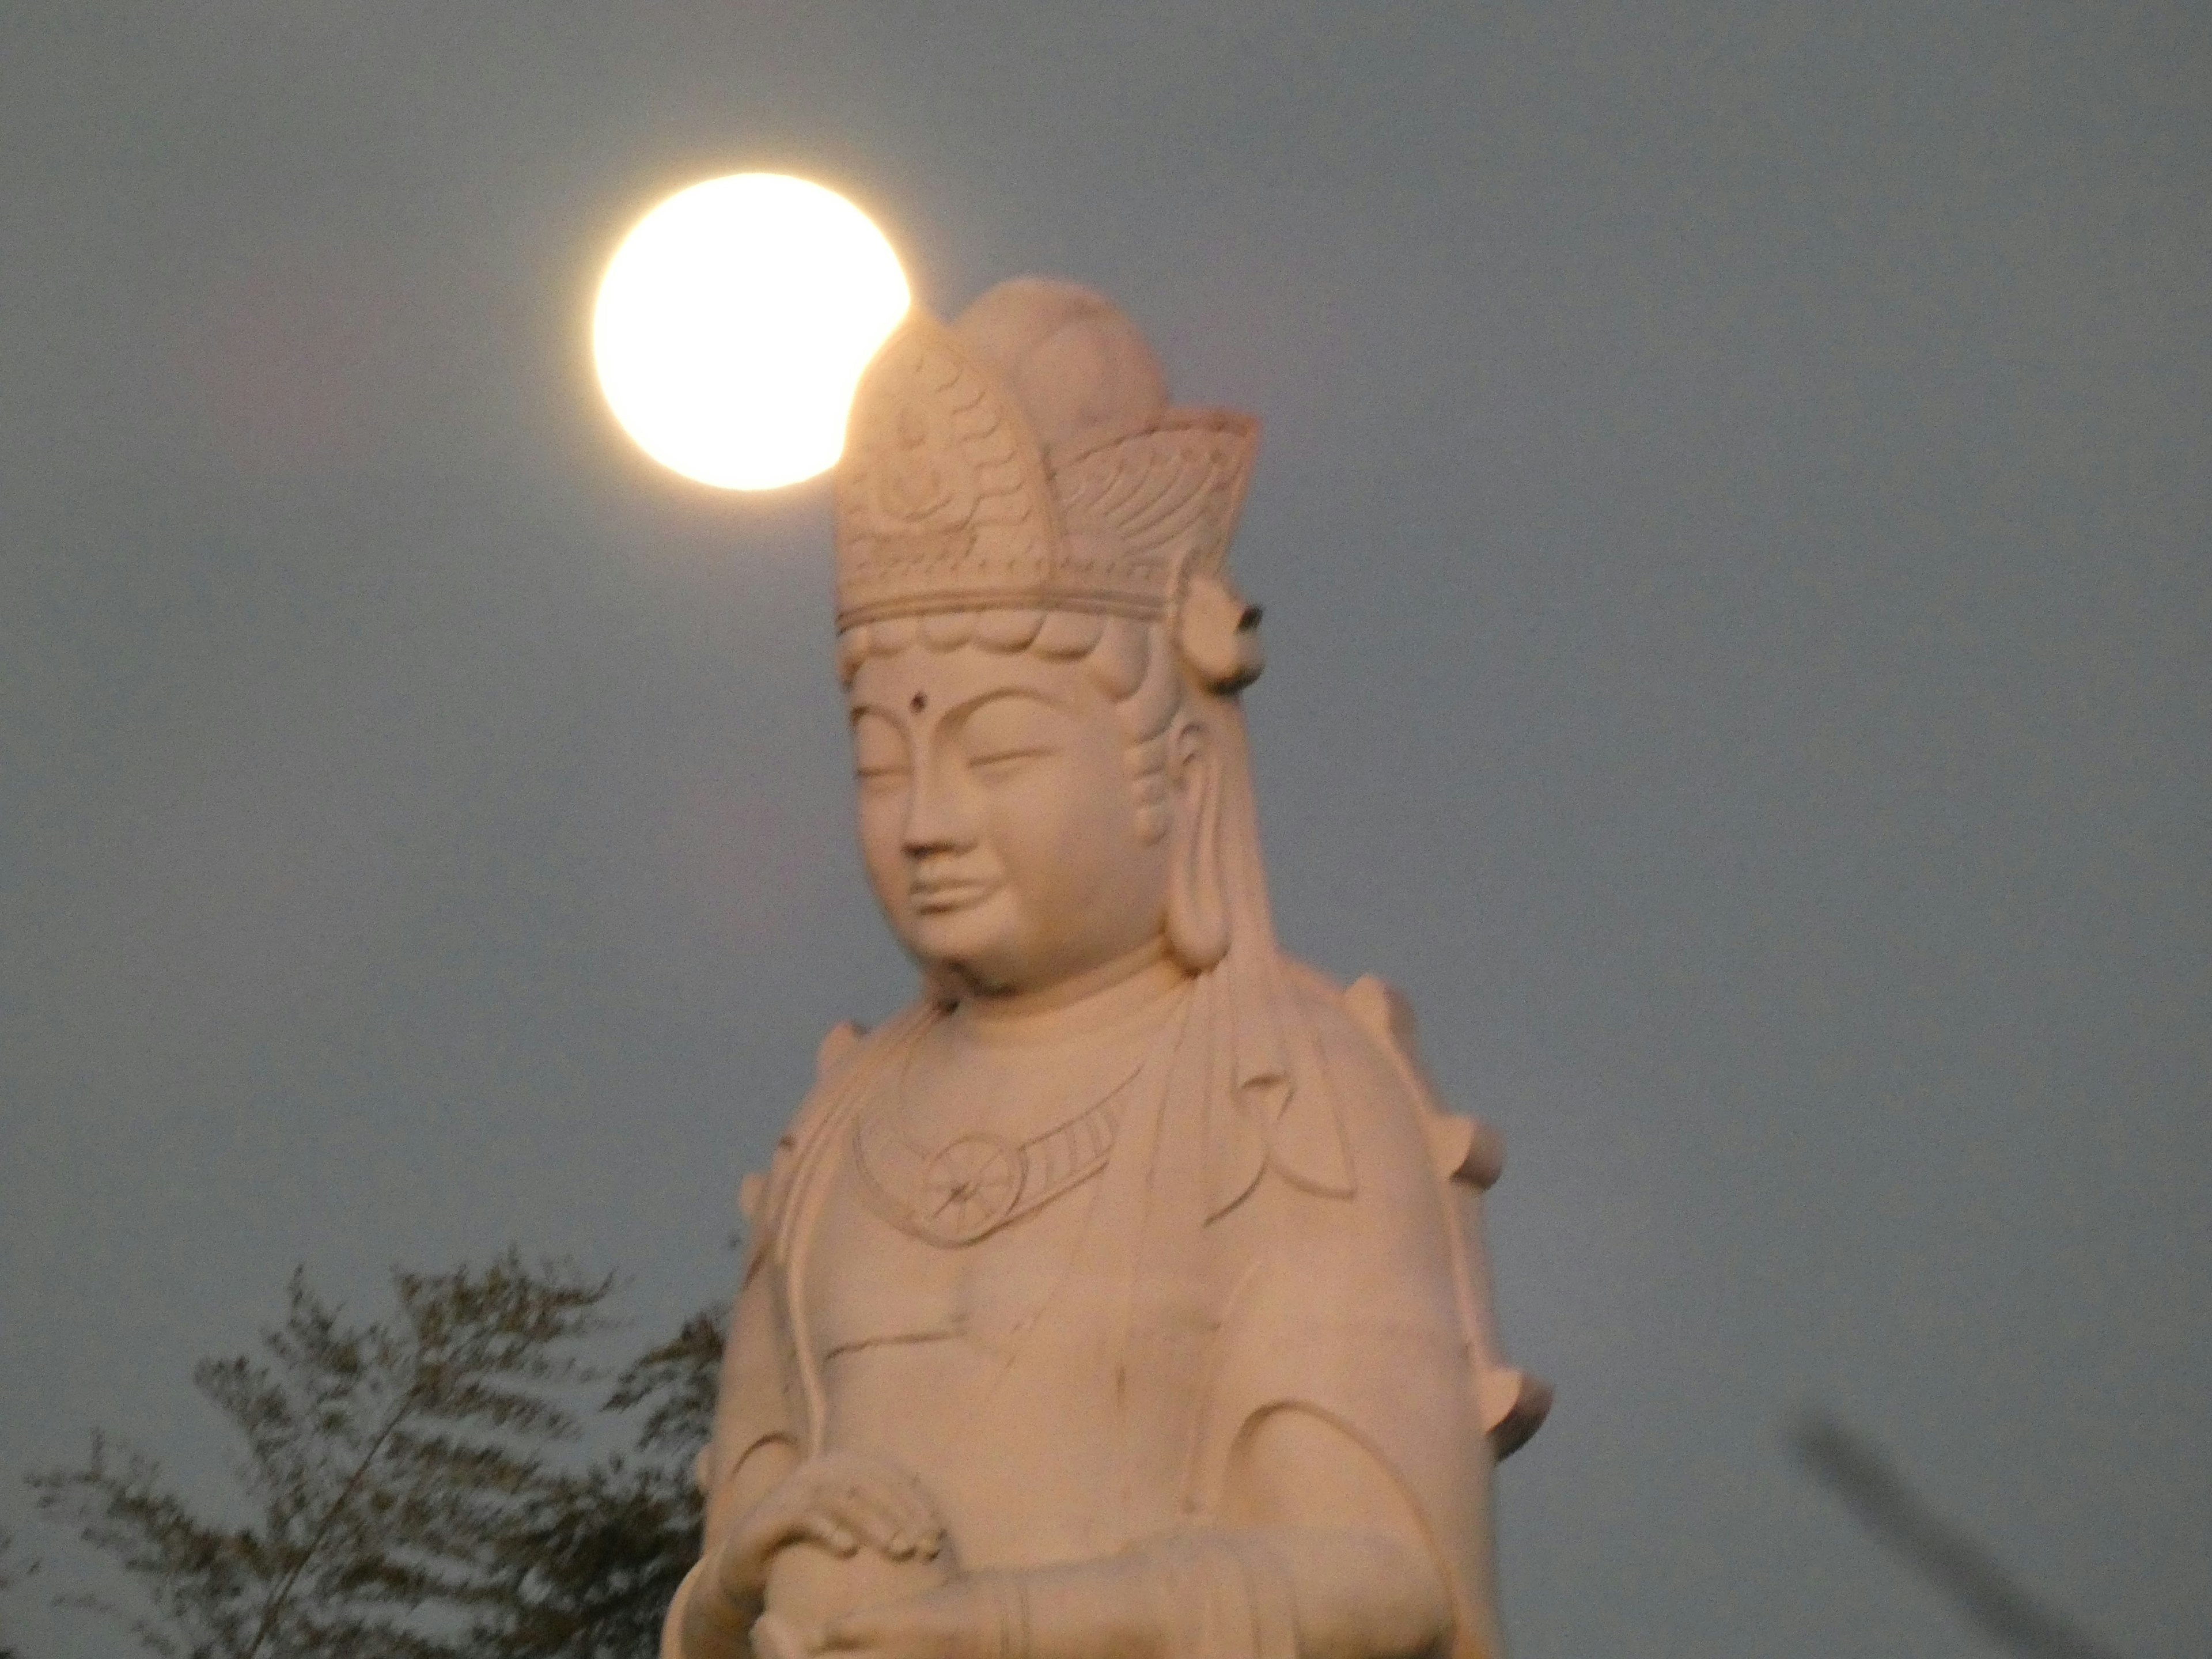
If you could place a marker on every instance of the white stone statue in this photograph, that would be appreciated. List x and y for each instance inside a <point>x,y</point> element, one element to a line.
<point>1124,1298</point>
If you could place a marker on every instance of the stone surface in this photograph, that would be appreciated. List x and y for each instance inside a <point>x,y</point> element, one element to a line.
<point>1126,1295</point>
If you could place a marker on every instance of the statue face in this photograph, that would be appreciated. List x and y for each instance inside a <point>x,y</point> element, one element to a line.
<point>997,819</point>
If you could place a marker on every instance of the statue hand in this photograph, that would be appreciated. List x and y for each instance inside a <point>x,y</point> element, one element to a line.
<point>841,1500</point>
<point>962,1620</point>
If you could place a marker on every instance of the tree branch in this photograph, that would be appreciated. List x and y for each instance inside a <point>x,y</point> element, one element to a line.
<point>1878,1497</point>
<point>284,1590</point>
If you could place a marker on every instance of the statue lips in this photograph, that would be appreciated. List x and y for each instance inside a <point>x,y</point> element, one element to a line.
<point>943,896</point>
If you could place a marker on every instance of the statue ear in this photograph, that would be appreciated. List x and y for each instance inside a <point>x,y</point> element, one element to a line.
<point>1198,918</point>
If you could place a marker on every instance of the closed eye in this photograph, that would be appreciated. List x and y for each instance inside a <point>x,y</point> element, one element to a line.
<point>1007,731</point>
<point>1005,763</point>
<point>880,759</point>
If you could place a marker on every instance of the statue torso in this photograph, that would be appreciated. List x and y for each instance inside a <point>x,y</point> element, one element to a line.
<point>949,1221</point>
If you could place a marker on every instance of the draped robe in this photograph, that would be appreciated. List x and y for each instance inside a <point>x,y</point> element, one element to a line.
<point>1179,1320</point>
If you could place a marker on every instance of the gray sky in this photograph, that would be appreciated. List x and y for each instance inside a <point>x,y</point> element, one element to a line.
<point>1733,528</point>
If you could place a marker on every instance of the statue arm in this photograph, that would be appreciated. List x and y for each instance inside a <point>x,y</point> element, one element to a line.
<point>753,1450</point>
<point>1318,1555</point>
<point>762,1491</point>
<point>1344,1534</point>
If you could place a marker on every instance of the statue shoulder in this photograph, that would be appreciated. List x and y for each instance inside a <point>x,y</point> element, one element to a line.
<point>1470,1156</point>
<point>1410,1141</point>
<point>1463,1147</point>
<point>839,1044</point>
<point>843,1061</point>
<point>1371,1044</point>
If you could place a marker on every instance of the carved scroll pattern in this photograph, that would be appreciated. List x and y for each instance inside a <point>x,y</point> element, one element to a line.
<point>1144,511</point>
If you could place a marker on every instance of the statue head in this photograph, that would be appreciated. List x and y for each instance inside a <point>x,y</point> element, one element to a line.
<point>1043,655</point>
<point>1033,619</point>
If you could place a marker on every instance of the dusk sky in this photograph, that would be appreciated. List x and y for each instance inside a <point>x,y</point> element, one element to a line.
<point>1732,525</point>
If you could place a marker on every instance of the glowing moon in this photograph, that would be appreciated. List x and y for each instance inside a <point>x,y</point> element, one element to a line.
<point>734,322</point>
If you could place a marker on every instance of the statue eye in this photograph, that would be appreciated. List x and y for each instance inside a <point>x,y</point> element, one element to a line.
<point>1001,736</point>
<point>880,754</point>
<point>1003,763</point>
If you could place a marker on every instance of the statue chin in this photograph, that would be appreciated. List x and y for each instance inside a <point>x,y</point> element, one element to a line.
<point>969,933</point>
<point>810,1587</point>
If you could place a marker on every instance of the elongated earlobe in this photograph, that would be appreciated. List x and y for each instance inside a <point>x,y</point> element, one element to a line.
<point>1198,918</point>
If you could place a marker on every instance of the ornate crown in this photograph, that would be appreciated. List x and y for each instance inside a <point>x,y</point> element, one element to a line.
<point>948,499</point>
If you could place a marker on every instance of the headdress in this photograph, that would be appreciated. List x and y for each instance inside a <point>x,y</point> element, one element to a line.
<point>958,492</point>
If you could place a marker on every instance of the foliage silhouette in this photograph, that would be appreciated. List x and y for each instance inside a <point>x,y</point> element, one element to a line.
<point>409,1485</point>
<point>13,1573</point>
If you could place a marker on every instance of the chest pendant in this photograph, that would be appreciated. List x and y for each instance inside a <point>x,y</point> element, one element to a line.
<point>967,1188</point>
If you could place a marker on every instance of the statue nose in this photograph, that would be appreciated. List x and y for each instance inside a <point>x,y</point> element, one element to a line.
<point>934,822</point>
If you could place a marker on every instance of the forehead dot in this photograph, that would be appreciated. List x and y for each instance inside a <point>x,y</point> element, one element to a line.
<point>919,702</point>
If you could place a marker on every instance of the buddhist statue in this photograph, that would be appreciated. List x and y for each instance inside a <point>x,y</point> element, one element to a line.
<point>1125,1297</point>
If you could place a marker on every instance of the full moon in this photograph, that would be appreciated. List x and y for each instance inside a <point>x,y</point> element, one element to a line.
<point>734,321</point>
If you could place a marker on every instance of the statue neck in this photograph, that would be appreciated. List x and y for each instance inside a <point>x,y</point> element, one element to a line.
<point>1096,999</point>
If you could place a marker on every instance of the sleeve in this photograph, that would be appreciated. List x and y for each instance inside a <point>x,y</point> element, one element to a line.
<point>1371,1312</point>
<point>754,1405</point>
<point>1468,1154</point>
<point>758,1402</point>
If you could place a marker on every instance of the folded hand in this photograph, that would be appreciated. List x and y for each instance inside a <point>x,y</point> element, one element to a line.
<point>842,1501</point>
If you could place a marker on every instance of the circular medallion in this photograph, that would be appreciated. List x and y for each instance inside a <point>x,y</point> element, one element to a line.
<point>968,1187</point>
